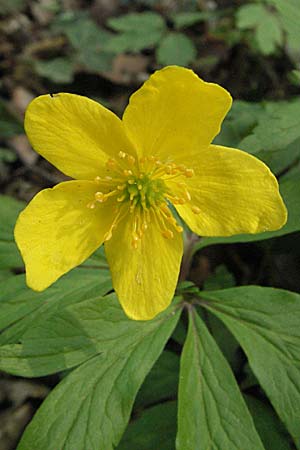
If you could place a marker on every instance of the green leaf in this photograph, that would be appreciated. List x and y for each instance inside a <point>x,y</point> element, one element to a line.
<point>87,38</point>
<point>71,336</point>
<point>7,156</point>
<point>10,257</point>
<point>281,148</point>
<point>221,279</point>
<point>226,342</point>
<point>187,19</point>
<point>249,16</point>
<point>5,274</point>
<point>239,122</point>
<point>176,48</point>
<point>268,425</point>
<point>294,77</point>
<point>161,383</point>
<point>9,123</point>
<point>154,429</point>
<point>211,412</point>
<point>20,307</point>
<point>91,407</point>
<point>289,15</point>
<point>290,191</point>
<point>136,31</point>
<point>268,32</point>
<point>265,321</point>
<point>10,208</point>
<point>59,70</point>
<point>137,21</point>
<point>90,41</point>
<point>251,126</point>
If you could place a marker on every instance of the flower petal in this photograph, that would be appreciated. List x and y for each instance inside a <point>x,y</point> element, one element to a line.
<point>75,134</point>
<point>57,231</point>
<point>175,114</point>
<point>144,278</point>
<point>235,193</point>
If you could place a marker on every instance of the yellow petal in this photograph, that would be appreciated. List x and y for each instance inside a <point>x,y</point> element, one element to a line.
<point>144,278</point>
<point>175,114</point>
<point>235,193</point>
<point>57,231</point>
<point>75,134</point>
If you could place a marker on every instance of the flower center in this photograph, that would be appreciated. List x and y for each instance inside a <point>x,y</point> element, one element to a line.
<point>143,192</point>
<point>143,189</point>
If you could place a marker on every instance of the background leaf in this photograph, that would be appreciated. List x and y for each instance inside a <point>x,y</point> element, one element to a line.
<point>59,70</point>
<point>136,31</point>
<point>154,429</point>
<point>161,383</point>
<point>268,32</point>
<point>268,425</point>
<point>176,48</point>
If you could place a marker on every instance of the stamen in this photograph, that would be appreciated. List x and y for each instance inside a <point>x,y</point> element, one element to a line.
<point>101,198</point>
<point>131,159</point>
<point>122,155</point>
<point>142,189</point>
<point>189,173</point>
<point>91,205</point>
<point>195,209</point>
<point>121,212</point>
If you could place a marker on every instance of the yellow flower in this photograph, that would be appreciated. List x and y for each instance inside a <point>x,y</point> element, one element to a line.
<point>127,174</point>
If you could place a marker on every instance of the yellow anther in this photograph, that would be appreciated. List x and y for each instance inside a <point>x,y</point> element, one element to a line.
<point>177,200</point>
<point>168,234</point>
<point>97,179</point>
<point>108,178</point>
<point>178,228</point>
<point>166,210</point>
<point>196,210</point>
<point>131,159</point>
<point>121,199</point>
<point>91,205</point>
<point>127,172</point>
<point>121,187</point>
<point>134,244</point>
<point>122,155</point>
<point>189,173</point>
<point>100,197</point>
<point>111,163</point>
<point>140,187</point>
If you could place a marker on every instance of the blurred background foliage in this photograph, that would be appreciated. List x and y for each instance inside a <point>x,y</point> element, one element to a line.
<point>105,49</point>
